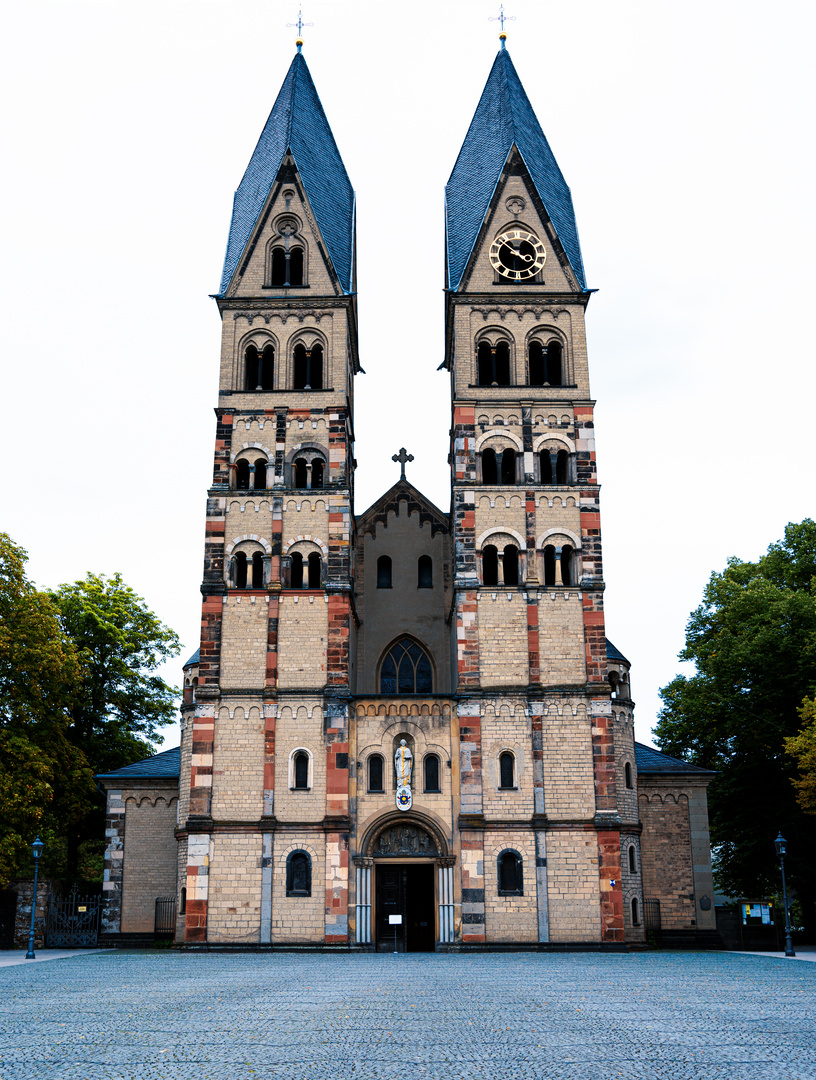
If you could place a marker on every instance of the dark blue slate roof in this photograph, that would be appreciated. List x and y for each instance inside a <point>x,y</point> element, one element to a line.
<point>503,117</point>
<point>650,760</point>
<point>197,656</point>
<point>611,653</point>
<point>162,766</point>
<point>297,123</point>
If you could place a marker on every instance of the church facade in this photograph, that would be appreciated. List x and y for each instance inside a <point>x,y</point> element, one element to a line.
<point>406,728</point>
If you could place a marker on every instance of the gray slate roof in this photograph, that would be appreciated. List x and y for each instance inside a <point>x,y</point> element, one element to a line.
<point>297,123</point>
<point>162,766</point>
<point>614,654</point>
<point>650,760</point>
<point>197,656</point>
<point>504,116</point>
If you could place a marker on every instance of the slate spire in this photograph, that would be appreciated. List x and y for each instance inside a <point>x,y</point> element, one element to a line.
<point>503,117</point>
<point>297,123</point>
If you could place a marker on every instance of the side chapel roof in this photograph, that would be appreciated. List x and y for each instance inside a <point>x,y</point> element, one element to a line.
<point>650,760</point>
<point>503,117</point>
<point>297,123</point>
<point>160,767</point>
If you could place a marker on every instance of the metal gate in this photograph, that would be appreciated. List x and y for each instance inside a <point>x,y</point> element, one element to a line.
<point>651,915</point>
<point>164,923</point>
<point>73,921</point>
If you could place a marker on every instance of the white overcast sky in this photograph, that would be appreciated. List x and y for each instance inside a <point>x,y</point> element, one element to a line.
<point>685,131</point>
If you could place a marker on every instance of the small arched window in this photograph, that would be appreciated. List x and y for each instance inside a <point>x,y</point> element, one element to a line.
<point>549,565</point>
<point>239,571</point>
<point>298,874</point>
<point>260,481</point>
<point>509,873</point>
<point>535,363</point>
<point>554,374</point>
<point>296,571</point>
<point>317,472</point>
<point>384,572</point>
<point>278,268</point>
<point>507,770</point>
<point>635,912</point>
<point>183,901</point>
<point>425,572</point>
<point>375,773</point>
<point>627,775</point>
<point>490,565</point>
<point>510,564</point>
<point>259,368</point>
<point>242,475</point>
<point>508,467</point>
<point>566,565</point>
<point>431,768</point>
<point>296,267</point>
<point>490,469</point>
<point>314,570</point>
<point>632,859</point>
<point>301,771</point>
<point>308,367</point>
<point>406,669</point>
<point>547,467</point>
<point>493,364</point>
<point>300,474</point>
<point>257,570</point>
<point>562,467</point>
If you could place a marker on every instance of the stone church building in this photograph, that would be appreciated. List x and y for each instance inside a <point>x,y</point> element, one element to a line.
<point>406,727</point>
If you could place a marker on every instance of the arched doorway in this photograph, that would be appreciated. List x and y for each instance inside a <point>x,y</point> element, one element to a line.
<point>410,869</point>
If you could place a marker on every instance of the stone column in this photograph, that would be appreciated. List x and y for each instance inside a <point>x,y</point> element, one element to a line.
<point>444,873</point>
<point>363,907</point>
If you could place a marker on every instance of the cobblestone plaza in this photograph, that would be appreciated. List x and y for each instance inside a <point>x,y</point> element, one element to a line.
<point>662,1016</point>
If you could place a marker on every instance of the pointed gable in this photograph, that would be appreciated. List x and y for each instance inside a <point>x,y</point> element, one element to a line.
<point>503,117</point>
<point>297,123</point>
<point>416,503</point>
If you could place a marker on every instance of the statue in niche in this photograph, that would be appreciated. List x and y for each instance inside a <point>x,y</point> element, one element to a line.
<point>403,761</point>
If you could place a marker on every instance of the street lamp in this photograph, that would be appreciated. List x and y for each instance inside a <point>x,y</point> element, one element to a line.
<point>780,845</point>
<point>37,850</point>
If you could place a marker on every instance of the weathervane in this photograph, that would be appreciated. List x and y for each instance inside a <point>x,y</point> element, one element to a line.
<point>299,24</point>
<point>502,18</point>
<point>402,458</point>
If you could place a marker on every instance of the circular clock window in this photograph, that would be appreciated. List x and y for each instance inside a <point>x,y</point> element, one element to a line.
<point>517,254</point>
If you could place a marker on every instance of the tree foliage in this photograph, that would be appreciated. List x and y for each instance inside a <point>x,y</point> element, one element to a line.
<point>753,642</point>
<point>802,748</point>
<point>78,696</point>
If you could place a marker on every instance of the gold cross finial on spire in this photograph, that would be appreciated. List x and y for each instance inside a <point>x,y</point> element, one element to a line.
<point>402,458</point>
<point>501,18</point>
<point>299,24</point>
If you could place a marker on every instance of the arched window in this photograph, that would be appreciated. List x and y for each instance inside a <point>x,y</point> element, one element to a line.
<point>632,860</point>
<point>298,874</point>
<point>250,368</point>
<point>566,565</point>
<point>547,470</point>
<point>627,775</point>
<point>300,474</point>
<point>308,367</point>
<point>260,474</point>
<point>259,368</point>
<point>384,572</point>
<point>257,571</point>
<point>553,371</point>
<point>507,770</point>
<point>239,571</point>
<point>406,669</point>
<point>635,912</point>
<point>562,467</point>
<point>375,773</point>
<point>301,771</point>
<point>317,472</point>
<point>510,564</point>
<point>430,766</point>
<point>183,901</point>
<point>314,570</point>
<point>509,874</point>
<point>242,475</point>
<point>296,267</point>
<point>508,467</point>
<point>296,571</point>
<point>490,470</point>
<point>535,363</point>
<point>490,565</point>
<point>493,364</point>
<point>278,268</point>
<point>549,565</point>
<point>425,572</point>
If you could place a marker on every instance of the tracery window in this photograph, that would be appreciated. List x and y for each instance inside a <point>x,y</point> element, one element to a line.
<point>298,874</point>
<point>406,669</point>
<point>510,878</point>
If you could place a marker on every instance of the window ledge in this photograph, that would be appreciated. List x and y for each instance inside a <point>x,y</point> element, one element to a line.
<point>300,789</point>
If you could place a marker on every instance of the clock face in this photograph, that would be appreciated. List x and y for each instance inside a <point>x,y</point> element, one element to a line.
<point>517,255</point>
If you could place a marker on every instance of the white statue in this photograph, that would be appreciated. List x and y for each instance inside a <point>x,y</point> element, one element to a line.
<point>403,760</point>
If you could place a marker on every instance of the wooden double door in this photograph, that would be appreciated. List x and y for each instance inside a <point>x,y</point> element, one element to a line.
<point>407,890</point>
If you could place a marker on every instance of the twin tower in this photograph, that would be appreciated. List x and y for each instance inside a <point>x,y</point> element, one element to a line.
<point>406,726</point>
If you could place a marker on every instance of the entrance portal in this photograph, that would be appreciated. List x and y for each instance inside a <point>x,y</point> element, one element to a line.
<point>407,891</point>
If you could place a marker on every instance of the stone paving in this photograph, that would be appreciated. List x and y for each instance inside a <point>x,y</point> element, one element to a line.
<point>164,1015</point>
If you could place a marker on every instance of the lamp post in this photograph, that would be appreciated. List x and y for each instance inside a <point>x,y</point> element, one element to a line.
<point>781,846</point>
<point>37,850</point>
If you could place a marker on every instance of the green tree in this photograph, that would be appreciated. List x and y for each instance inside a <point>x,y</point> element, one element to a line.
<point>753,642</point>
<point>802,748</point>
<point>119,703</point>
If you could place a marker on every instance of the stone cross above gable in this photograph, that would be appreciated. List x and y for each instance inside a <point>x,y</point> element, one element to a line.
<point>402,458</point>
